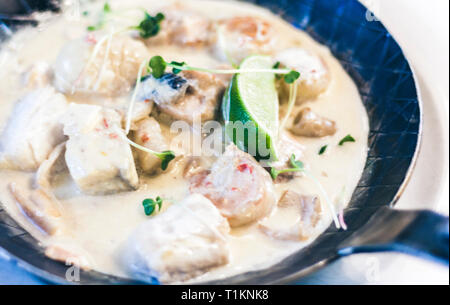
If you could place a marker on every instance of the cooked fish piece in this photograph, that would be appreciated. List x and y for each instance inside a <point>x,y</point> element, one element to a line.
<point>314,74</point>
<point>33,130</point>
<point>241,189</point>
<point>238,37</point>
<point>39,206</point>
<point>183,28</point>
<point>98,158</point>
<point>148,134</point>
<point>308,124</point>
<point>296,218</point>
<point>185,241</point>
<point>287,146</point>
<point>109,73</point>
<point>184,96</point>
<point>38,75</point>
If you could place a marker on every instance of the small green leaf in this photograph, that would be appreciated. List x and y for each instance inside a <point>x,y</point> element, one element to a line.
<point>107,8</point>
<point>276,65</point>
<point>274,173</point>
<point>85,13</point>
<point>180,64</point>
<point>291,77</point>
<point>323,149</point>
<point>91,28</point>
<point>158,66</point>
<point>296,164</point>
<point>150,26</point>
<point>149,206</point>
<point>347,138</point>
<point>166,157</point>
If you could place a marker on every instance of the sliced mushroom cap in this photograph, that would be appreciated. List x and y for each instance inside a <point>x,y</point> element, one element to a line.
<point>309,124</point>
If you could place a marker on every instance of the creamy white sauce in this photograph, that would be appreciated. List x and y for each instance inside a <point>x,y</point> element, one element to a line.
<point>98,225</point>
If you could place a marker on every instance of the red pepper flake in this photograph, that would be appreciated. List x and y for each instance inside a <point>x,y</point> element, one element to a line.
<point>105,123</point>
<point>147,101</point>
<point>145,138</point>
<point>90,38</point>
<point>243,167</point>
<point>113,136</point>
<point>234,189</point>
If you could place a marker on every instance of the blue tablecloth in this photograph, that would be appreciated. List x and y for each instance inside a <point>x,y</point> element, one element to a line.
<point>11,274</point>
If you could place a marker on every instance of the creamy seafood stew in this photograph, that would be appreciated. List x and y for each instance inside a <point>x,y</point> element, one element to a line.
<point>69,176</point>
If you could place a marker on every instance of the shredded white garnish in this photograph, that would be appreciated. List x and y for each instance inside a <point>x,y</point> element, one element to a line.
<point>133,98</point>
<point>140,147</point>
<point>105,60</point>
<point>292,97</point>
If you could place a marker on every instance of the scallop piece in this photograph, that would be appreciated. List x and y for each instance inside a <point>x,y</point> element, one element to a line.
<point>148,134</point>
<point>185,241</point>
<point>110,72</point>
<point>33,130</point>
<point>99,160</point>
<point>314,74</point>
<point>238,37</point>
<point>308,124</point>
<point>295,219</point>
<point>241,189</point>
<point>185,96</point>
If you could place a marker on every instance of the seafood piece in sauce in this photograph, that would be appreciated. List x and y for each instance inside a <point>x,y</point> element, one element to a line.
<point>148,134</point>
<point>184,96</point>
<point>308,124</point>
<point>33,130</point>
<point>38,206</point>
<point>98,158</point>
<point>39,75</point>
<point>184,28</point>
<point>183,242</point>
<point>241,189</point>
<point>110,73</point>
<point>314,74</point>
<point>296,217</point>
<point>239,37</point>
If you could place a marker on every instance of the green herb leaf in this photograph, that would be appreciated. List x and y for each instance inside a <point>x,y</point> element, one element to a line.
<point>276,65</point>
<point>91,28</point>
<point>150,205</point>
<point>107,8</point>
<point>158,66</point>
<point>166,157</point>
<point>150,26</point>
<point>296,166</point>
<point>291,77</point>
<point>323,149</point>
<point>85,13</point>
<point>347,138</point>
<point>180,64</point>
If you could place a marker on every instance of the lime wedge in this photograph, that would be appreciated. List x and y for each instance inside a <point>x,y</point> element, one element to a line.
<point>250,109</point>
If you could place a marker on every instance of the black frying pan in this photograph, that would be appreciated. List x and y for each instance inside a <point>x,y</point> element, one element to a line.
<point>385,81</point>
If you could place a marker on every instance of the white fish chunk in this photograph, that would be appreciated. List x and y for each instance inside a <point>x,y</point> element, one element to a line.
<point>148,134</point>
<point>98,158</point>
<point>241,189</point>
<point>309,124</point>
<point>110,73</point>
<point>185,241</point>
<point>33,130</point>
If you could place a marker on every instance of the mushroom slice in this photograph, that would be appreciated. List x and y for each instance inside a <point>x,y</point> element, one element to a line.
<point>308,124</point>
<point>39,206</point>
<point>295,219</point>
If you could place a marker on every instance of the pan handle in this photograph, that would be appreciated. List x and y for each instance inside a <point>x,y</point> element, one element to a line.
<point>421,233</point>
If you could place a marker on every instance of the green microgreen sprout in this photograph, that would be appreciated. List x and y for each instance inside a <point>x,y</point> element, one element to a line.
<point>151,204</point>
<point>296,166</point>
<point>323,149</point>
<point>165,156</point>
<point>150,25</point>
<point>158,64</point>
<point>347,138</point>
